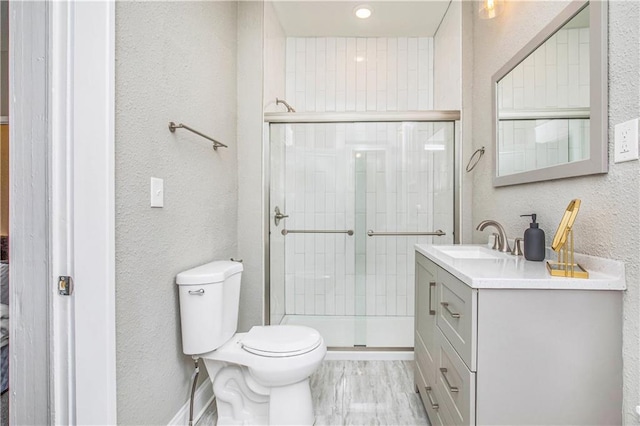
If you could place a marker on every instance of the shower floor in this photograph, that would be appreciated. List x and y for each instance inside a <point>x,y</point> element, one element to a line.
<point>350,331</point>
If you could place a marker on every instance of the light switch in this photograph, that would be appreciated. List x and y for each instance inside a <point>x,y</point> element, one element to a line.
<point>157,192</point>
<point>626,141</point>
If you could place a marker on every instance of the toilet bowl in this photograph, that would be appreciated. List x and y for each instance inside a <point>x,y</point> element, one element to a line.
<point>258,377</point>
<point>274,365</point>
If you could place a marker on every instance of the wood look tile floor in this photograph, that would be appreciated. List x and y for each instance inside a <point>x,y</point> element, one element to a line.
<point>361,393</point>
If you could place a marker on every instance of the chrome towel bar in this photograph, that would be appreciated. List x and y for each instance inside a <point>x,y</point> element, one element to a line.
<point>173,126</point>
<point>316,231</point>
<point>437,233</point>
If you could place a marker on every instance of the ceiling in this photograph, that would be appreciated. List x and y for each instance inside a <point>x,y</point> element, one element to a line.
<point>336,18</point>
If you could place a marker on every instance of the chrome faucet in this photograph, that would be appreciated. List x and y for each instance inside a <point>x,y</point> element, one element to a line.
<point>503,244</point>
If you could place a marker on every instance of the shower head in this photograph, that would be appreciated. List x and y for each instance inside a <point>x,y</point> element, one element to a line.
<point>282,101</point>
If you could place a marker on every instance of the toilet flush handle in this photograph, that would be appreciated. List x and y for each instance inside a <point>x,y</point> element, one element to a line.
<point>197,292</point>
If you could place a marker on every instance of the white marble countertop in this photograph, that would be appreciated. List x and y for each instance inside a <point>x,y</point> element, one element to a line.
<point>486,268</point>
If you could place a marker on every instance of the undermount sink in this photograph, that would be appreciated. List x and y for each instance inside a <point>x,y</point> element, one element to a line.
<point>469,252</point>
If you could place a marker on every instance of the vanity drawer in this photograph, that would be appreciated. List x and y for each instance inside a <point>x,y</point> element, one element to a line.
<point>455,384</point>
<point>457,315</point>
<point>424,358</point>
<point>429,398</point>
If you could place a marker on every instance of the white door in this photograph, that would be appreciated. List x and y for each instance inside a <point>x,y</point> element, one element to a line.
<point>62,213</point>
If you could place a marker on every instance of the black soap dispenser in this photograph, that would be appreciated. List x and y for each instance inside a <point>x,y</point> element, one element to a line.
<point>533,240</point>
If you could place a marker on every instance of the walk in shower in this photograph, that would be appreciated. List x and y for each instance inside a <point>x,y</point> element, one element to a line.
<point>349,197</point>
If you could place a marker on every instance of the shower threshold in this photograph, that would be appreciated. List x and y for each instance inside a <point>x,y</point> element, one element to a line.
<point>361,337</point>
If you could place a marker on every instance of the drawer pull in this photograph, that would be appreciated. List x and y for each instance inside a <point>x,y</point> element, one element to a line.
<point>432,284</point>
<point>446,307</point>
<point>434,404</point>
<point>444,375</point>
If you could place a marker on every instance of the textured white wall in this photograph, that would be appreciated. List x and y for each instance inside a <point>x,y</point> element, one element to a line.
<point>274,60</point>
<point>609,219</point>
<point>175,61</point>
<point>468,142</point>
<point>249,128</point>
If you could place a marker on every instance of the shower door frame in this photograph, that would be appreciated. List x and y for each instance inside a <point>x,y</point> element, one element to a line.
<point>440,116</point>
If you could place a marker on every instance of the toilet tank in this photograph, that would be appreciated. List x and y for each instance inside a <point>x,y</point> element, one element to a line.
<point>209,301</point>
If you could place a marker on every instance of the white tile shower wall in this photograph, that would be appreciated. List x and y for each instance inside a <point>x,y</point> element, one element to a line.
<point>361,176</point>
<point>359,74</point>
<point>447,58</point>
<point>555,76</point>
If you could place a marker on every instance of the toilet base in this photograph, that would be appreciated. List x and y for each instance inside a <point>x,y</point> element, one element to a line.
<point>282,412</point>
<point>237,402</point>
<point>240,400</point>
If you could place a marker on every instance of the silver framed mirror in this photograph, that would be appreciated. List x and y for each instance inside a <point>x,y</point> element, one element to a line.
<point>550,102</point>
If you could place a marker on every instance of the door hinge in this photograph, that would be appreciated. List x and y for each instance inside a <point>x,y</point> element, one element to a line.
<point>65,285</point>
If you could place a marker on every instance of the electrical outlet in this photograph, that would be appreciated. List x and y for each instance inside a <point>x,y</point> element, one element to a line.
<point>626,141</point>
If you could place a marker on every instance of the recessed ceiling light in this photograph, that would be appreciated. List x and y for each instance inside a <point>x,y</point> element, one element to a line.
<point>363,11</point>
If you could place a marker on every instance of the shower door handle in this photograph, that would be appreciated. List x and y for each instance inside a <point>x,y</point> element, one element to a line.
<point>278,216</point>
<point>438,233</point>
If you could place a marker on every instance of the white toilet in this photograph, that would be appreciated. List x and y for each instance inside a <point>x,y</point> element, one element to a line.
<point>260,377</point>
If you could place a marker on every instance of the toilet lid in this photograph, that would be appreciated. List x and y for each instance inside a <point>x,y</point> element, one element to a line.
<point>281,340</point>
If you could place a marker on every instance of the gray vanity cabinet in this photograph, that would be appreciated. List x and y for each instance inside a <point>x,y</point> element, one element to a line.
<point>426,341</point>
<point>496,356</point>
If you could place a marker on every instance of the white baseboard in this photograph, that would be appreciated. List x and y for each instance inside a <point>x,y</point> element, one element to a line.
<point>201,400</point>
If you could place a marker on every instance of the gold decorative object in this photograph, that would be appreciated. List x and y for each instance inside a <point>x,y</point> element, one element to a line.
<point>563,245</point>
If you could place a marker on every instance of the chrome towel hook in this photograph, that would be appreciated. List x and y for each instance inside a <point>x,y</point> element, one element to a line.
<point>477,155</point>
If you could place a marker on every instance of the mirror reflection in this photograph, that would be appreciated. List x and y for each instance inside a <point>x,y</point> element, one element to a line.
<point>543,103</point>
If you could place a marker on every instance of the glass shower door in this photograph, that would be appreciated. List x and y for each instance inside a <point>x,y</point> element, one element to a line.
<point>312,248</point>
<point>356,197</point>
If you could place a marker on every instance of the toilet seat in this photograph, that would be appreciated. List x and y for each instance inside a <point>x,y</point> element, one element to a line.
<point>275,368</point>
<point>280,340</point>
